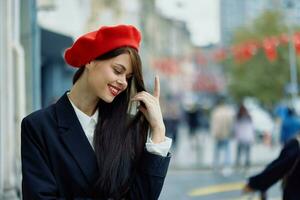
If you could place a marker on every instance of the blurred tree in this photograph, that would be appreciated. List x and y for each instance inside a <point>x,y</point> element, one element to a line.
<point>266,73</point>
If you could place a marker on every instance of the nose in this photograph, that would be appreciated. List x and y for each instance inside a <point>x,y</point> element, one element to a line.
<point>122,81</point>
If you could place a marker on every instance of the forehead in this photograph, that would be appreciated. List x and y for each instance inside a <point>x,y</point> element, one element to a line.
<point>123,60</point>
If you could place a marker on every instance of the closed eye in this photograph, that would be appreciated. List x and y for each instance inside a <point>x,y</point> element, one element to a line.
<point>117,71</point>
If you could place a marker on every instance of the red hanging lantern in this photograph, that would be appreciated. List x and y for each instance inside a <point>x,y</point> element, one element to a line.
<point>269,45</point>
<point>249,50</point>
<point>297,42</point>
<point>245,51</point>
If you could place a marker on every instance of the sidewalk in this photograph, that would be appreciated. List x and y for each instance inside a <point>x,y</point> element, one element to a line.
<point>197,153</point>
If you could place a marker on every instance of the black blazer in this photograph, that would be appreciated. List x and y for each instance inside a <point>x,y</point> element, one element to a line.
<point>278,168</point>
<point>58,161</point>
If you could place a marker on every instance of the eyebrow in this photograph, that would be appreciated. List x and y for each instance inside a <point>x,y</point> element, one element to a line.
<point>124,68</point>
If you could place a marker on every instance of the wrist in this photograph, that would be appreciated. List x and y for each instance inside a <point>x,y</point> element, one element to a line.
<point>158,134</point>
<point>159,129</point>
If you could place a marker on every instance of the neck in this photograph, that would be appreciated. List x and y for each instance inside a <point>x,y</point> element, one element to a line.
<point>83,98</point>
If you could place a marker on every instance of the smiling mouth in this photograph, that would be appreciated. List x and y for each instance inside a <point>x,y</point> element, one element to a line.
<point>114,90</point>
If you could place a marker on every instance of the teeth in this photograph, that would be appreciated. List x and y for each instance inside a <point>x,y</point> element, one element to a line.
<point>114,90</point>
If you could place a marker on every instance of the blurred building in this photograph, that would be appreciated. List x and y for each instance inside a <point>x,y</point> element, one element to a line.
<point>210,77</point>
<point>236,13</point>
<point>56,76</point>
<point>231,17</point>
<point>114,12</point>
<point>18,49</point>
<point>166,43</point>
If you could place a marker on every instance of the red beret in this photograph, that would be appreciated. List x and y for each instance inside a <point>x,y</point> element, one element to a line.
<point>94,44</point>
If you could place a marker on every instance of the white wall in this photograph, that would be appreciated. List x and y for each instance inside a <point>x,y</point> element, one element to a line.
<point>12,98</point>
<point>69,17</point>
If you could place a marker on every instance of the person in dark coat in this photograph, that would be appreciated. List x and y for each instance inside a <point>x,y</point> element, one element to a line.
<point>286,165</point>
<point>95,142</point>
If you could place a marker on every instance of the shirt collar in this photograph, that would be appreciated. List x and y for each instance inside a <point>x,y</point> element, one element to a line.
<point>83,118</point>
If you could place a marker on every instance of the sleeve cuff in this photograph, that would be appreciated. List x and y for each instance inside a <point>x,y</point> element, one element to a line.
<point>155,165</point>
<point>160,149</point>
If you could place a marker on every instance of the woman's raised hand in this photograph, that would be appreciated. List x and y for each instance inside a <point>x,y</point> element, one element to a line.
<point>152,111</point>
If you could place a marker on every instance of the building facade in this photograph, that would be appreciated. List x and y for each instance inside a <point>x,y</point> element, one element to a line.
<point>18,44</point>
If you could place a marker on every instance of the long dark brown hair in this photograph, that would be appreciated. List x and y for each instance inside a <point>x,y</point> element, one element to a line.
<point>119,137</point>
<point>243,113</point>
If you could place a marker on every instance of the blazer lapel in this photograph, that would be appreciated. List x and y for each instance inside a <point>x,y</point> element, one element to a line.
<point>75,140</point>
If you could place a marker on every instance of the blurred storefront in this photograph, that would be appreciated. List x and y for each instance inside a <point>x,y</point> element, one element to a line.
<point>53,66</point>
<point>18,44</point>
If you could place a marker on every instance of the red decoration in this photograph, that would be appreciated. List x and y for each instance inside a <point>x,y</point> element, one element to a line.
<point>297,42</point>
<point>269,45</point>
<point>169,66</point>
<point>244,52</point>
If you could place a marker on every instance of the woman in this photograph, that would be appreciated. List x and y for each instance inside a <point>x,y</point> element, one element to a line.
<point>244,133</point>
<point>92,143</point>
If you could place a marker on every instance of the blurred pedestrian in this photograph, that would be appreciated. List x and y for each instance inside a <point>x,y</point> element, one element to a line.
<point>88,145</point>
<point>172,114</point>
<point>221,125</point>
<point>286,167</point>
<point>192,119</point>
<point>191,108</point>
<point>290,126</point>
<point>244,134</point>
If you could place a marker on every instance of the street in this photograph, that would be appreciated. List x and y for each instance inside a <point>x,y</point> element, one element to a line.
<point>190,175</point>
<point>206,185</point>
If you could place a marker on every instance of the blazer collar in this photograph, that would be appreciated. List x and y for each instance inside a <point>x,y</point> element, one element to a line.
<point>74,138</point>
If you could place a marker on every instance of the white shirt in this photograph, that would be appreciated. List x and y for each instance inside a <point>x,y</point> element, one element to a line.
<point>244,131</point>
<point>88,124</point>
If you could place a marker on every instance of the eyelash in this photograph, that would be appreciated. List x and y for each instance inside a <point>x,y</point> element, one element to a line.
<point>117,72</point>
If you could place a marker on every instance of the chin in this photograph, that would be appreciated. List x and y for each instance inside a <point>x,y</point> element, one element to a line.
<point>107,99</point>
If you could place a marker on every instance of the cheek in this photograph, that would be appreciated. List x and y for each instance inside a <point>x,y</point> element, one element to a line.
<point>99,78</point>
<point>96,83</point>
<point>109,77</point>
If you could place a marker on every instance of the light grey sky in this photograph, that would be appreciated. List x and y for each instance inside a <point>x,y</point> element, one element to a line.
<point>202,17</point>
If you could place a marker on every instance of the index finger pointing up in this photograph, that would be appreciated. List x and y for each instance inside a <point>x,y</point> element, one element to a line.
<point>156,87</point>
